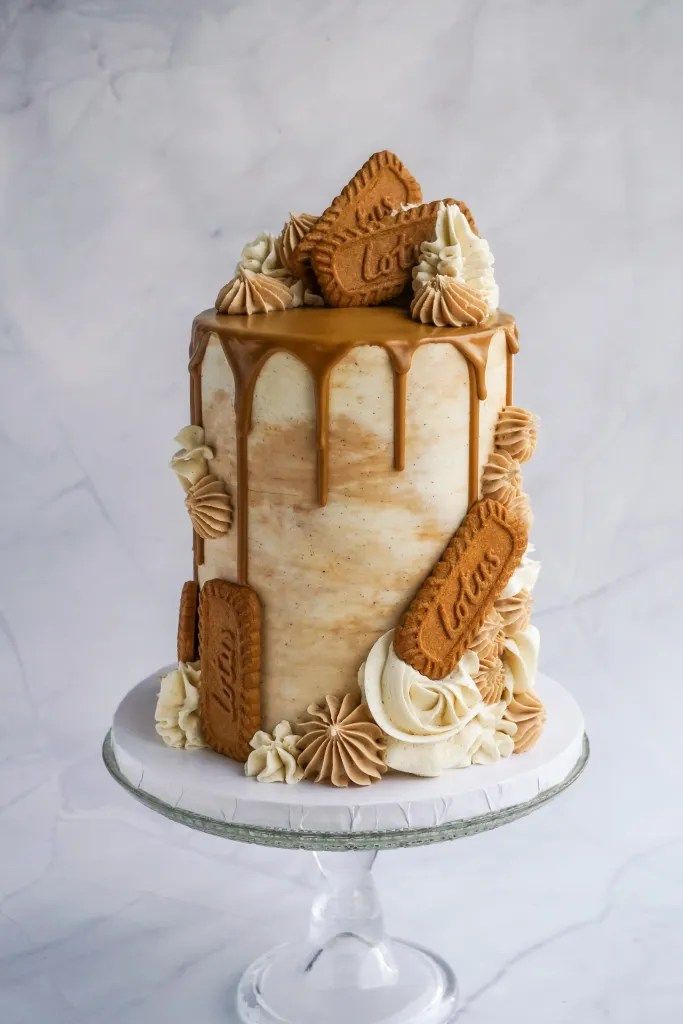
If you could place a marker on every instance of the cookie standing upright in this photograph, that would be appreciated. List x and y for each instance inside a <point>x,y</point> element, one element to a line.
<point>363,266</point>
<point>188,638</point>
<point>381,186</point>
<point>230,655</point>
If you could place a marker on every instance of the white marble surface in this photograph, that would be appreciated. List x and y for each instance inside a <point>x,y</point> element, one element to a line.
<point>141,142</point>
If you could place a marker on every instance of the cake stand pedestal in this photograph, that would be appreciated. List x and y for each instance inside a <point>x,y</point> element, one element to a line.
<point>346,968</point>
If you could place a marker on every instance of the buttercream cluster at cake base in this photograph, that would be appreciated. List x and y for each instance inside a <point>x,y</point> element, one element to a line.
<point>396,602</point>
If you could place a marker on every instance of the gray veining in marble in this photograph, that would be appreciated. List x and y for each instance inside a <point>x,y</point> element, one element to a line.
<point>142,142</point>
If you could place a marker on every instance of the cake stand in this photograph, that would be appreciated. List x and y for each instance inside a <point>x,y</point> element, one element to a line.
<point>346,969</point>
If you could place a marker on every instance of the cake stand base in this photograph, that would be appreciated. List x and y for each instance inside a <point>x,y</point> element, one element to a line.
<point>347,969</point>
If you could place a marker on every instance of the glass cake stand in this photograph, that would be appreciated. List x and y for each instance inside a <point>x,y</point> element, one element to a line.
<point>346,968</point>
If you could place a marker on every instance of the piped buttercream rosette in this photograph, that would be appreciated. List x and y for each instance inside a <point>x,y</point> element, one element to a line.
<point>445,302</point>
<point>514,443</point>
<point>207,500</point>
<point>251,292</point>
<point>515,611</point>
<point>432,725</point>
<point>190,462</point>
<point>501,478</point>
<point>264,281</point>
<point>524,577</point>
<point>526,710</point>
<point>176,715</point>
<point>490,678</point>
<point>520,660</point>
<point>273,758</point>
<point>340,743</point>
<point>516,433</point>
<point>295,229</point>
<point>209,507</point>
<point>453,281</point>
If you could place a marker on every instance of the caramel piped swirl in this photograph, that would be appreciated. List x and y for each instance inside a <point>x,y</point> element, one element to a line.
<point>445,302</point>
<point>297,227</point>
<point>253,293</point>
<point>516,433</point>
<point>490,639</point>
<point>515,612</point>
<point>527,712</point>
<point>490,678</point>
<point>209,506</point>
<point>501,479</point>
<point>341,743</point>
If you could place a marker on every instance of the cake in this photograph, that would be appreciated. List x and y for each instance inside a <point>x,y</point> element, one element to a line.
<point>360,598</point>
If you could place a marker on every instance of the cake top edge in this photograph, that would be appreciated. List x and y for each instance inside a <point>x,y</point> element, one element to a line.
<point>353,325</point>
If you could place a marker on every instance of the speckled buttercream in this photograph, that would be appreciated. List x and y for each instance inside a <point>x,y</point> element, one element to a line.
<point>332,579</point>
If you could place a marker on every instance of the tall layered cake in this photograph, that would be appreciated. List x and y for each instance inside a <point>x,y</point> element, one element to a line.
<point>361,591</point>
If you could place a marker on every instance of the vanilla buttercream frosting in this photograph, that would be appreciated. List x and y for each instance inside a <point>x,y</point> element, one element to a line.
<point>263,281</point>
<point>262,256</point>
<point>432,725</point>
<point>457,252</point>
<point>177,709</point>
<point>525,575</point>
<point>408,706</point>
<point>520,660</point>
<point>190,462</point>
<point>303,295</point>
<point>273,758</point>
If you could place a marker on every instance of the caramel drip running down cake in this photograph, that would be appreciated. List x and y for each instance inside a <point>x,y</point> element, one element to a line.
<point>361,591</point>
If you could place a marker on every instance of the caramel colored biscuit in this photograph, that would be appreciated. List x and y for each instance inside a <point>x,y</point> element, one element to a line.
<point>449,608</point>
<point>366,266</point>
<point>187,622</point>
<point>230,653</point>
<point>377,189</point>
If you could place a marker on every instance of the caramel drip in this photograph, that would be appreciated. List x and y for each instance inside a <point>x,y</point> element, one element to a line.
<point>246,362</point>
<point>400,398</point>
<point>247,357</point>
<point>512,341</point>
<point>196,419</point>
<point>401,357</point>
<point>321,338</point>
<point>322,434</point>
<point>473,456</point>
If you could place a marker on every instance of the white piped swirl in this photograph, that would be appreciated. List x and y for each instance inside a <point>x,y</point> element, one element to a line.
<point>457,252</point>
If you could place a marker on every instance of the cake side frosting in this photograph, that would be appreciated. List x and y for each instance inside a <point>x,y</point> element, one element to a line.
<point>334,578</point>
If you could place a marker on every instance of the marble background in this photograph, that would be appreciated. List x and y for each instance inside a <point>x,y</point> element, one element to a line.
<point>142,142</point>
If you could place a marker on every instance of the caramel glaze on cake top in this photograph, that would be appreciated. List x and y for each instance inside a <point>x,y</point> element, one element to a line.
<point>320,338</point>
